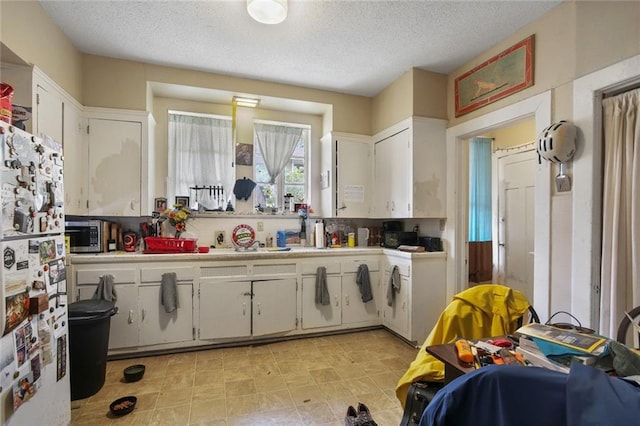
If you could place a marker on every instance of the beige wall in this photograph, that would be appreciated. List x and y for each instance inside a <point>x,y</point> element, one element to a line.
<point>27,30</point>
<point>517,134</point>
<point>416,92</point>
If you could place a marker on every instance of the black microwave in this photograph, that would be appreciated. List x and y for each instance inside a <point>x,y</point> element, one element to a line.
<point>394,239</point>
<point>85,236</point>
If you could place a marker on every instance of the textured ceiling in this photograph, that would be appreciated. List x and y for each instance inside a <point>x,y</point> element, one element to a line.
<point>355,47</point>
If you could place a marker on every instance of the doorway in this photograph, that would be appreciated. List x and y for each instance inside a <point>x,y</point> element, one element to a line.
<point>538,109</point>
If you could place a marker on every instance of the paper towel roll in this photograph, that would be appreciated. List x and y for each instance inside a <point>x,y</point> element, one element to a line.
<point>319,235</point>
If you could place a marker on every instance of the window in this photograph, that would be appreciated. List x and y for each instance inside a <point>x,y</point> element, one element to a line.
<point>285,146</point>
<point>200,159</point>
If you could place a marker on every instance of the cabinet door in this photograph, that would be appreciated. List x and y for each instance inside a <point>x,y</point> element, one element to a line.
<point>49,113</point>
<point>114,164</point>
<point>158,326</point>
<point>124,329</point>
<point>396,316</point>
<point>382,195</point>
<point>75,162</point>
<point>314,315</point>
<point>353,309</point>
<point>225,309</point>
<point>353,178</point>
<point>274,306</point>
<point>400,183</point>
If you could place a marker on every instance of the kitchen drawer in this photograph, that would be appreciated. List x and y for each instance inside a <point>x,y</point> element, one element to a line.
<point>285,268</point>
<point>353,265</point>
<point>224,271</point>
<point>120,276</point>
<point>312,269</point>
<point>155,275</point>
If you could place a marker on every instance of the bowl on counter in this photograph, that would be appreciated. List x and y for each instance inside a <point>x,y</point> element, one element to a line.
<point>133,373</point>
<point>124,405</point>
<point>203,249</point>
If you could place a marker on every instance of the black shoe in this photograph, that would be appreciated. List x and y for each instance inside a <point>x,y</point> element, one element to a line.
<point>364,416</point>
<point>351,417</point>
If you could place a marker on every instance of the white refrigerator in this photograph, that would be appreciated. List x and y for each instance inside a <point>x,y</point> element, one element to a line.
<point>34,356</point>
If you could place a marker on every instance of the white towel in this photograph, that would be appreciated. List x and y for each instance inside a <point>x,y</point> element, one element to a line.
<point>394,285</point>
<point>106,289</point>
<point>322,292</point>
<point>169,291</point>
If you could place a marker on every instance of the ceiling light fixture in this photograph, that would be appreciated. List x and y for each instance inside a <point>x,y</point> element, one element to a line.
<point>267,11</point>
<point>246,102</point>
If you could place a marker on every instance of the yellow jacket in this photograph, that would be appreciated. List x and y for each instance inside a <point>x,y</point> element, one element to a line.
<point>482,311</point>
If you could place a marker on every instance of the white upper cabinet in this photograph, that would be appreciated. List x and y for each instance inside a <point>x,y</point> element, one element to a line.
<point>410,170</point>
<point>346,175</point>
<point>117,142</point>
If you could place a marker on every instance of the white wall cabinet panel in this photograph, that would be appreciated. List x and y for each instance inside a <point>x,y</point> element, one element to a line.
<point>49,114</point>
<point>118,152</point>
<point>348,160</point>
<point>409,169</point>
<point>75,161</point>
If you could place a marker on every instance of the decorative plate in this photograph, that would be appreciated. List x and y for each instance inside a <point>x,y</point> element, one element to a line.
<point>243,236</point>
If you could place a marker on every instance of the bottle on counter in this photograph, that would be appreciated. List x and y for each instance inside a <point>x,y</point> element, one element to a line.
<point>281,238</point>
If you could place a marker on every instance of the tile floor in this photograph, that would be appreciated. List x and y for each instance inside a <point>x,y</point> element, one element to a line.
<point>309,381</point>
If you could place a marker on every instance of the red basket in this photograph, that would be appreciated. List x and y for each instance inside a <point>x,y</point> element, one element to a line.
<point>158,245</point>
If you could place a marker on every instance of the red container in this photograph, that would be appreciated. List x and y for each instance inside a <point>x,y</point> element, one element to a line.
<point>6,99</point>
<point>159,245</point>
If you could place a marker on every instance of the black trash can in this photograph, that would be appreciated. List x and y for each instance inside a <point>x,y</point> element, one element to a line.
<point>89,322</point>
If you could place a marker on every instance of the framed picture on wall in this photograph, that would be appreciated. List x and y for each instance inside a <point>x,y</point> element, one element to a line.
<point>183,201</point>
<point>161,204</point>
<point>244,154</point>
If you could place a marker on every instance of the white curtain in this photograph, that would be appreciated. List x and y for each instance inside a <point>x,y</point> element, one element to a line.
<point>200,154</point>
<point>276,144</point>
<point>620,284</point>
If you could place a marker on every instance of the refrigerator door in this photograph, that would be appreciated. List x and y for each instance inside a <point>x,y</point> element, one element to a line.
<point>31,179</point>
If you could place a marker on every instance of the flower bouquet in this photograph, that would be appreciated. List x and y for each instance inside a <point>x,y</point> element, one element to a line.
<point>177,217</point>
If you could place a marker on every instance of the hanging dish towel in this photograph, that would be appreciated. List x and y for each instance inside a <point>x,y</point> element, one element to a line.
<point>322,292</point>
<point>169,292</point>
<point>362,279</point>
<point>106,289</point>
<point>394,285</point>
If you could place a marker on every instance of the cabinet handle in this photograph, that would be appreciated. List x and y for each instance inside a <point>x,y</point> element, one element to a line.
<point>336,298</point>
<point>258,308</point>
<point>130,318</point>
<point>144,314</point>
<point>346,300</point>
<point>244,308</point>
<point>393,206</point>
<point>404,305</point>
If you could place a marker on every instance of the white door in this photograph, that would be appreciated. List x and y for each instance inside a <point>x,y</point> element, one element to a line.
<point>314,315</point>
<point>158,326</point>
<point>114,164</point>
<point>516,207</point>
<point>274,306</point>
<point>225,309</point>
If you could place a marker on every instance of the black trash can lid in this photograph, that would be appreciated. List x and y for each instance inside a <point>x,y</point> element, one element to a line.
<point>91,308</point>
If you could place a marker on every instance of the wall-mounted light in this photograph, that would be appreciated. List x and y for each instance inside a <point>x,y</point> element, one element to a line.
<point>267,11</point>
<point>246,102</point>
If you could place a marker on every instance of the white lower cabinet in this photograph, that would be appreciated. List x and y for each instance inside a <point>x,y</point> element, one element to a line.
<point>156,324</point>
<point>141,319</point>
<point>124,328</point>
<point>354,311</point>
<point>317,315</point>
<point>415,309</point>
<point>235,309</point>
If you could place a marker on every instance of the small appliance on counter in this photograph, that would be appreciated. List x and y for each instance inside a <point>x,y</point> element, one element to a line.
<point>394,239</point>
<point>430,243</point>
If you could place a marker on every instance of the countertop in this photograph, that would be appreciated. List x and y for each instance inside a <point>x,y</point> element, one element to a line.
<point>231,254</point>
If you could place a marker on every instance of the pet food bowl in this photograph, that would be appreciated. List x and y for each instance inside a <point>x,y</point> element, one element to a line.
<point>122,406</point>
<point>133,373</point>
